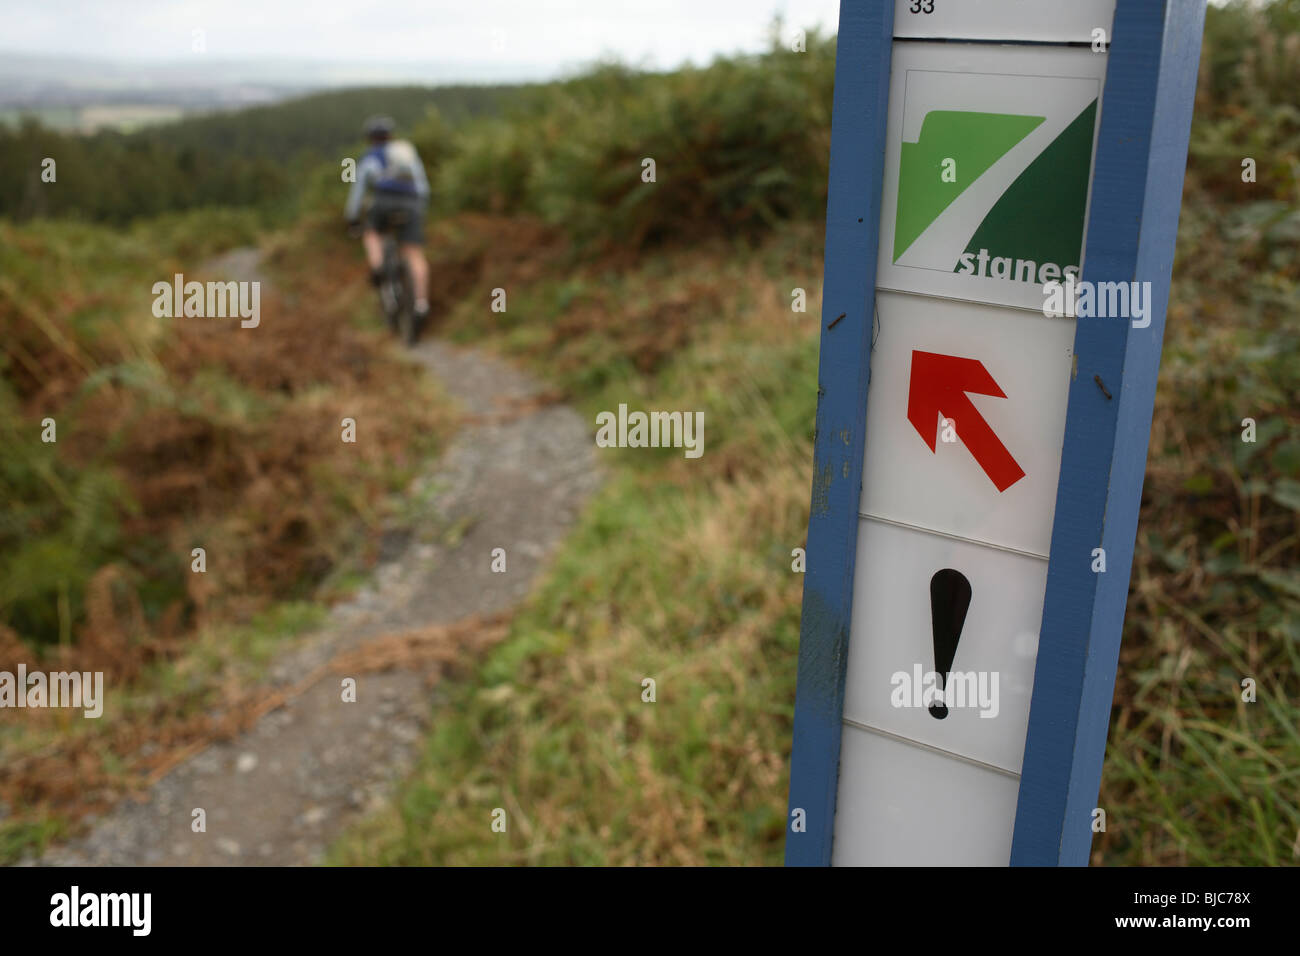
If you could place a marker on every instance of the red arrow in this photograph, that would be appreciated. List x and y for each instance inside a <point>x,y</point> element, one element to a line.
<point>938,388</point>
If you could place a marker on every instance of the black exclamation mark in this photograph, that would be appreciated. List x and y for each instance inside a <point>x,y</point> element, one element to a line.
<point>949,601</point>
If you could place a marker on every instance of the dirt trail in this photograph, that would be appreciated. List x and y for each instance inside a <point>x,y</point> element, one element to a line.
<point>515,477</point>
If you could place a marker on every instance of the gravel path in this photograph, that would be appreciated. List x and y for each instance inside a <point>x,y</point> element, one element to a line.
<point>516,477</point>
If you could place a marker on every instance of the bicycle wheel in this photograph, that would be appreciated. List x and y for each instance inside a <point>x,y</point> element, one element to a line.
<point>406,305</point>
<point>390,296</point>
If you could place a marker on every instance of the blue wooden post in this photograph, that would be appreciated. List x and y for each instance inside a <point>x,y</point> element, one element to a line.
<point>1136,193</point>
<point>857,169</point>
<point>1137,185</point>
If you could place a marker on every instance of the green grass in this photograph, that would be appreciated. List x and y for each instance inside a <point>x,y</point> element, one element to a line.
<point>175,691</point>
<point>96,549</point>
<point>24,838</point>
<point>680,571</point>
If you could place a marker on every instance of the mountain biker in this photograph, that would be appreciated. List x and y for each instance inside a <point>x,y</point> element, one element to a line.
<point>392,169</point>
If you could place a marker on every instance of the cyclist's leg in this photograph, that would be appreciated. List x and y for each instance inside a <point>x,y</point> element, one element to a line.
<point>374,246</point>
<point>411,237</point>
<point>419,266</point>
<point>372,238</point>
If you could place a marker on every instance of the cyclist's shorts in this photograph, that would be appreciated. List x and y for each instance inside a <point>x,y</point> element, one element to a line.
<point>401,214</point>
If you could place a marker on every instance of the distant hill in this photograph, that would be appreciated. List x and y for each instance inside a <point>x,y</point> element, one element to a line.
<point>321,123</point>
<point>229,157</point>
<point>35,82</point>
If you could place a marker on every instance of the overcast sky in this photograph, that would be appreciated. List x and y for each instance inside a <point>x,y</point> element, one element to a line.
<point>537,37</point>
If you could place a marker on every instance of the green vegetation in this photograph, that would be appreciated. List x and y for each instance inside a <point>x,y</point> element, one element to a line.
<point>669,295</point>
<point>170,435</point>
<point>166,433</point>
<point>681,571</point>
<point>740,146</point>
<point>251,158</point>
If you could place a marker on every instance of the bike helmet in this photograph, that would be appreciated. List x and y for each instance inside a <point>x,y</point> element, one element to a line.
<point>379,127</point>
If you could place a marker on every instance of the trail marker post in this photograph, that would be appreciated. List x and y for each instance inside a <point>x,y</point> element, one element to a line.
<point>979,455</point>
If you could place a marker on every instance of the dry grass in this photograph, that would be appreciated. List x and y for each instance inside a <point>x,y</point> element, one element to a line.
<point>680,572</point>
<point>228,439</point>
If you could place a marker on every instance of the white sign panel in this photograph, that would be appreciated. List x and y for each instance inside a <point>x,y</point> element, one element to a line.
<point>1043,20</point>
<point>903,805</point>
<point>915,724</point>
<point>982,664</point>
<point>965,419</point>
<point>987,166</point>
<point>988,156</point>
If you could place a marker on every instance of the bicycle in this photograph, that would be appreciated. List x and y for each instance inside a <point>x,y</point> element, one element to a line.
<point>396,291</point>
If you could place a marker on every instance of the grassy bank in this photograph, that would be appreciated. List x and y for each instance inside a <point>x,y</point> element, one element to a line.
<point>667,295</point>
<point>171,435</point>
<point>681,572</point>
